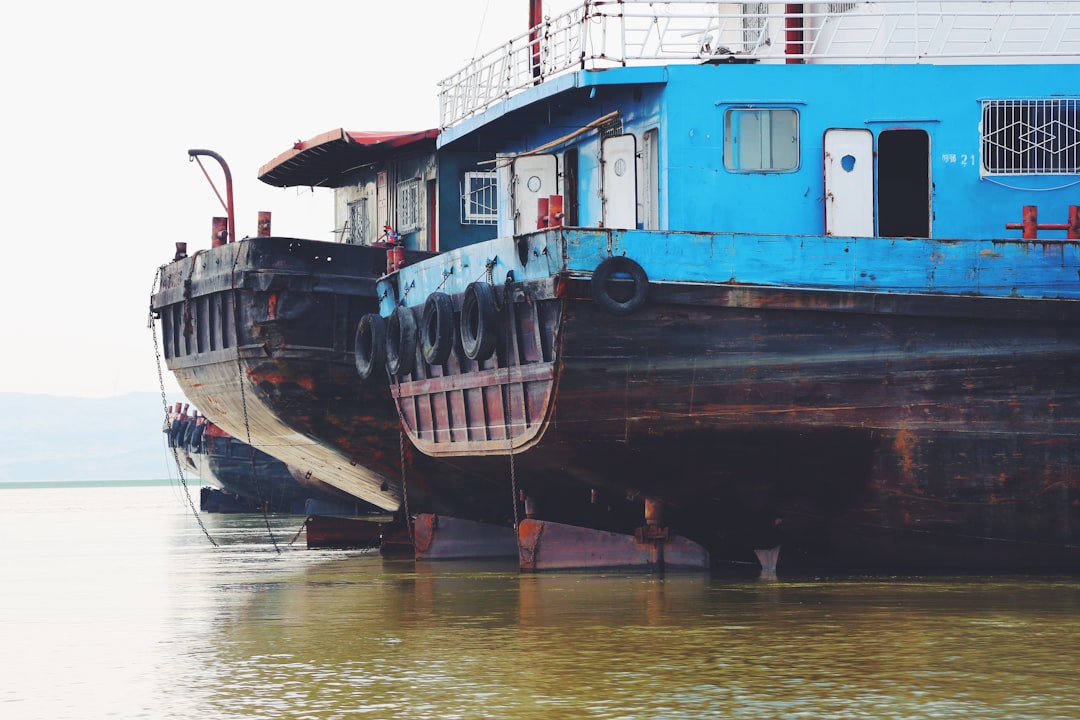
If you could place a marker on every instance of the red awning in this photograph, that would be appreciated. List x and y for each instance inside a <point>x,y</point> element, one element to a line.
<point>326,159</point>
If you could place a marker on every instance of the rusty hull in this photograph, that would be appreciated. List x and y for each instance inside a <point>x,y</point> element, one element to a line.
<point>875,427</point>
<point>259,334</point>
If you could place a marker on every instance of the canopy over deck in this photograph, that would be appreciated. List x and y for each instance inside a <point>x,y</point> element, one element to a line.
<point>326,159</point>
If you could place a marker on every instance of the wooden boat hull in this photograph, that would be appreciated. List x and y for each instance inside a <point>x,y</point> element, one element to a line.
<point>259,334</point>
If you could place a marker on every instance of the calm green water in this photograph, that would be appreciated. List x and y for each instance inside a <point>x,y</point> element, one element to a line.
<point>113,604</point>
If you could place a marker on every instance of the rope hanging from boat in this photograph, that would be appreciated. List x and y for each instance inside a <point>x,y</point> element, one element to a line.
<point>165,408</point>
<point>243,400</point>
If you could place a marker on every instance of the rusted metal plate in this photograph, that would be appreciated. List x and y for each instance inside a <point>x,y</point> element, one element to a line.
<point>342,533</point>
<point>441,537</point>
<point>555,546</point>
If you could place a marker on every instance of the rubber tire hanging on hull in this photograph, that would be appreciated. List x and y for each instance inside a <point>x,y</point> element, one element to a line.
<point>437,328</point>
<point>401,341</point>
<point>479,321</point>
<point>370,345</point>
<point>606,271</point>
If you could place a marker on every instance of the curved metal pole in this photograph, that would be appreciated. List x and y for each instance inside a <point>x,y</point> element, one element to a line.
<point>228,187</point>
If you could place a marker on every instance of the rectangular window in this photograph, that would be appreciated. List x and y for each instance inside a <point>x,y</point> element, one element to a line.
<point>1030,137</point>
<point>408,206</point>
<point>359,225</point>
<point>479,199</point>
<point>757,140</point>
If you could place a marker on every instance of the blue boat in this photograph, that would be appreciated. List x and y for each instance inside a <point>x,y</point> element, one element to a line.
<point>799,274</point>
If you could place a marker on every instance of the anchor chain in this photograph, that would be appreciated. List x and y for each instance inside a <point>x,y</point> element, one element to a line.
<point>509,419</point>
<point>297,535</point>
<point>165,409</point>
<point>405,488</point>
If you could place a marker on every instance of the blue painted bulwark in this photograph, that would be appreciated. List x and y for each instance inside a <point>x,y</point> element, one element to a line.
<point>839,331</point>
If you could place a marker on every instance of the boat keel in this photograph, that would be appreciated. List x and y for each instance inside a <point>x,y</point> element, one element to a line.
<point>333,532</point>
<point>440,537</point>
<point>555,546</point>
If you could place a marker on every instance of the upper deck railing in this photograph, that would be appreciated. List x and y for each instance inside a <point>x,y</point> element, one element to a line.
<point>613,33</point>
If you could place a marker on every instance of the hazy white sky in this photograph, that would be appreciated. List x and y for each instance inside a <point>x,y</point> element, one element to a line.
<point>101,102</point>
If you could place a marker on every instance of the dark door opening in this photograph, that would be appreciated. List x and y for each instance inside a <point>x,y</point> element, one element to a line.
<point>432,216</point>
<point>570,187</point>
<point>903,183</point>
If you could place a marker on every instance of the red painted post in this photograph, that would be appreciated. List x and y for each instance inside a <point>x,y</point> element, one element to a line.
<point>219,232</point>
<point>536,17</point>
<point>793,33</point>
<point>555,210</point>
<point>541,213</point>
<point>1074,222</point>
<point>1031,222</point>
<point>654,512</point>
<point>264,223</point>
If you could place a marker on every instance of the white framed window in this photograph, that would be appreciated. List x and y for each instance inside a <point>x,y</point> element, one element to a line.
<point>1030,137</point>
<point>359,224</point>
<point>479,198</point>
<point>761,140</point>
<point>408,205</point>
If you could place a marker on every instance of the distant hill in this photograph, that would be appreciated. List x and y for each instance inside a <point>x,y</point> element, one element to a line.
<point>48,438</point>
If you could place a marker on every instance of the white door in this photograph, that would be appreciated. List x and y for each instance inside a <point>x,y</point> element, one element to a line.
<point>849,182</point>
<point>535,177</point>
<point>619,158</point>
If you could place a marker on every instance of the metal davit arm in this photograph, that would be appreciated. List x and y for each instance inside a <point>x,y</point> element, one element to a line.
<point>228,202</point>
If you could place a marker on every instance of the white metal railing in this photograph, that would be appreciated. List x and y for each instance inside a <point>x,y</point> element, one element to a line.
<point>611,33</point>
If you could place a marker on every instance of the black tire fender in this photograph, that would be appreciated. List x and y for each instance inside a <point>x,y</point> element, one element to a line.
<point>401,341</point>
<point>619,269</point>
<point>479,321</point>
<point>370,345</point>
<point>437,328</point>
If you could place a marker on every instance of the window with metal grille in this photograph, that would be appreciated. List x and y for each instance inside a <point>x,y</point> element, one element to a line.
<point>755,25</point>
<point>408,206</point>
<point>479,199</point>
<point>1030,137</point>
<point>359,225</point>
<point>612,128</point>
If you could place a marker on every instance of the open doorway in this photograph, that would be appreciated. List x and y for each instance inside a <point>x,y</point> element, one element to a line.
<point>903,183</point>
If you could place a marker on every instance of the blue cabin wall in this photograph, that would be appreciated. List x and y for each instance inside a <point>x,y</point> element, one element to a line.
<point>942,100</point>
<point>453,232</point>
<point>697,192</point>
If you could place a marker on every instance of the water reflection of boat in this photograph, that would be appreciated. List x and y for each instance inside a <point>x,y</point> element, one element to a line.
<point>246,478</point>
<point>739,278</point>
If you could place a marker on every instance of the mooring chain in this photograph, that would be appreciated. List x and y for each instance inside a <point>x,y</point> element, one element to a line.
<point>243,402</point>
<point>513,485</point>
<point>405,487</point>
<point>297,535</point>
<point>401,453</point>
<point>165,408</point>
<point>509,308</point>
